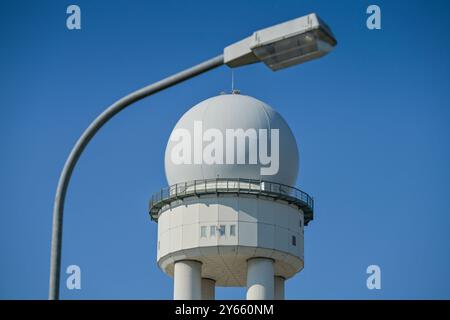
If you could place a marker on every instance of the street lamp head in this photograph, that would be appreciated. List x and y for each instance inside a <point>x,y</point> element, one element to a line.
<point>283,45</point>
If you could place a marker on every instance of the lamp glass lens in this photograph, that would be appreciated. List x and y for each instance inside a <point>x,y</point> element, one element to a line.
<point>295,50</point>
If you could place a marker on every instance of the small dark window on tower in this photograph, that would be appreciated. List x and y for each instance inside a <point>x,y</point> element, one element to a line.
<point>233,230</point>
<point>203,231</point>
<point>222,230</point>
<point>294,241</point>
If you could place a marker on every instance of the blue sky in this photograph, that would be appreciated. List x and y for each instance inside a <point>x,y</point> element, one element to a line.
<point>371,120</point>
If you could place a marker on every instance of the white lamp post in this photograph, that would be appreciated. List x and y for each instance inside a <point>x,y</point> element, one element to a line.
<point>279,46</point>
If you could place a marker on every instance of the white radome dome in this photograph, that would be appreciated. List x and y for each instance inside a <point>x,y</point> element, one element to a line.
<point>234,111</point>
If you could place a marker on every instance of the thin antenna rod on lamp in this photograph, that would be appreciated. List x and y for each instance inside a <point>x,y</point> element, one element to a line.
<point>232,80</point>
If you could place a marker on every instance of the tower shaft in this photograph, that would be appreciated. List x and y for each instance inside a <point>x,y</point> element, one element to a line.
<point>208,289</point>
<point>260,279</point>
<point>187,281</point>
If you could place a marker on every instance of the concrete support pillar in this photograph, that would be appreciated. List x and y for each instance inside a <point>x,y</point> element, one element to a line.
<point>260,279</point>
<point>208,289</point>
<point>279,288</point>
<point>187,281</point>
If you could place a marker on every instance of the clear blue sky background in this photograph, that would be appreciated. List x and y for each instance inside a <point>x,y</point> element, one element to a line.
<point>371,119</point>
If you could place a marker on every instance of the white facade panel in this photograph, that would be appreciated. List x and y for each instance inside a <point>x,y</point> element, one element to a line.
<point>163,223</point>
<point>266,235</point>
<point>248,210</point>
<point>228,209</point>
<point>293,221</point>
<point>282,239</point>
<point>266,211</point>
<point>175,219</point>
<point>207,211</point>
<point>190,215</point>
<point>301,247</point>
<point>164,244</point>
<point>248,234</point>
<point>190,236</point>
<point>175,239</point>
<point>282,216</point>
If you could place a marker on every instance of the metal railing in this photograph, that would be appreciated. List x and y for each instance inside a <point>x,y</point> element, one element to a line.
<point>237,186</point>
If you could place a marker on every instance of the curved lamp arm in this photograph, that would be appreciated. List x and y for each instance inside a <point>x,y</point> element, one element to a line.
<point>88,134</point>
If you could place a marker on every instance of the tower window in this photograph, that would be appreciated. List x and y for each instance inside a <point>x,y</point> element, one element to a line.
<point>212,231</point>
<point>294,241</point>
<point>222,230</point>
<point>233,230</point>
<point>300,223</point>
<point>203,231</point>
